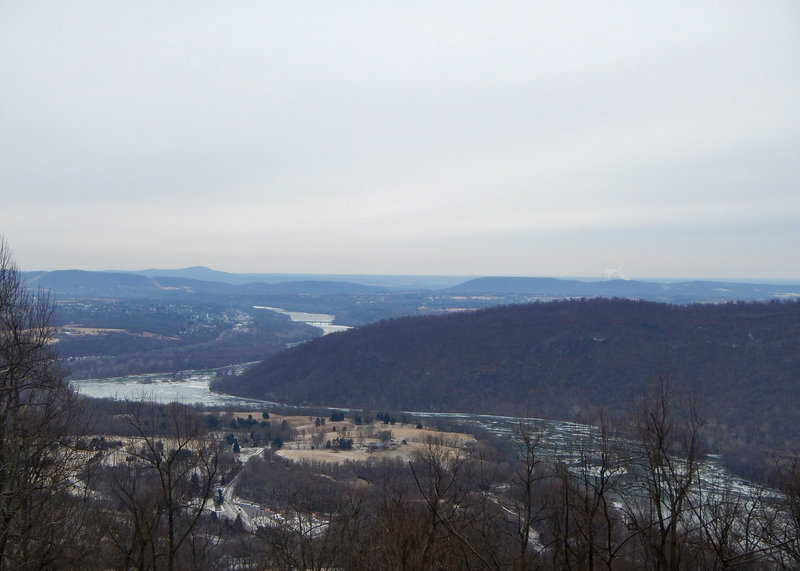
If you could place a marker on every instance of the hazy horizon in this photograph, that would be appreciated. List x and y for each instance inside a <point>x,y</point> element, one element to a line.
<point>449,277</point>
<point>510,138</point>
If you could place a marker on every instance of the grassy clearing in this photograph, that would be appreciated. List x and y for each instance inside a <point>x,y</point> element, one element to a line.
<point>375,439</point>
<point>369,440</point>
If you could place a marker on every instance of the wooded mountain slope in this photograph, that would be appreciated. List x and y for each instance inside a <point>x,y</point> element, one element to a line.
<point>558,360</point>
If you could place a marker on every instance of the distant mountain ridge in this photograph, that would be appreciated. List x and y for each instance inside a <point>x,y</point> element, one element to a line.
<point>632,289</point>
<point>156,282</point>
<point>380,281</point>
<point>121,284</point>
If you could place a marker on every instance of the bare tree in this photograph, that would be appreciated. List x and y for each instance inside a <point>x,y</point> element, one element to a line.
<point>667,429</point>
<point>38,409</point>
<point>732,527</point>
<point>456,532</point>
<point>402,523</point>
<point>164,488</point>
<point>783,526</point>
<point>527,506</point>
<point>299,538</point>
<point>791,529</point>
<point>588,529</point>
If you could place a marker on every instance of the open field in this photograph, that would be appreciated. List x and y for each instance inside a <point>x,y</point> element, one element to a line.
<point>80,330</point>
<point>374,439</point>
<point>368,442</point>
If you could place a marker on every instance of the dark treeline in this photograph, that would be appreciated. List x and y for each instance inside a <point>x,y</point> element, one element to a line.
<point>560,359</point>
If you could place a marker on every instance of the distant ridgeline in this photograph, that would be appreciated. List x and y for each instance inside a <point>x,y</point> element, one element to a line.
<point>200,282</point>
<point>559,360</point>
<point>674,292</point>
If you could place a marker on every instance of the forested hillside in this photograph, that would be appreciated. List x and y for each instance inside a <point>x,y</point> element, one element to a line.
<point>560,360</point>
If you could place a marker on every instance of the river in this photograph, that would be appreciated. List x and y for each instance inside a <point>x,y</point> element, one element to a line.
<point>558,438</point>
<point>192,387</point>
<point>189,387</point>
<point>322,321</point>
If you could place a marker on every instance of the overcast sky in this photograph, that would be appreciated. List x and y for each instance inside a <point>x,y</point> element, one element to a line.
<point>645,139</point>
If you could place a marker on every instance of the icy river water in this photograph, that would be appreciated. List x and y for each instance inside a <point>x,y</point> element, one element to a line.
<point>192,387</point>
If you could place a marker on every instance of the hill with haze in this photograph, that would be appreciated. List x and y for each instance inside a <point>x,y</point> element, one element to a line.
<point>394,295</point>
<point>178,283</point>
<point>674,292</point>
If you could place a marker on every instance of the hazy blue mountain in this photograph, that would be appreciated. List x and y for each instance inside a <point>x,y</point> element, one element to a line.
<point>204,274</point>
<point>379,281</point>
<point>389,296</point>
<point>85,283</point>
<point>633,289</point>
<point>121,284</point>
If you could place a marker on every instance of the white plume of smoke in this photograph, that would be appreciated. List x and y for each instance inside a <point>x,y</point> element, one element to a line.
<point>614,274</point>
